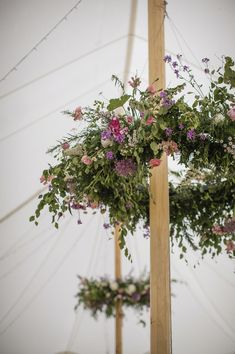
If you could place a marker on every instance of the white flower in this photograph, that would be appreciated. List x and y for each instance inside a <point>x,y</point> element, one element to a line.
<point>107,142</point>
<point>218,117</point>
<point>131,289</point>
<point>113,286</point>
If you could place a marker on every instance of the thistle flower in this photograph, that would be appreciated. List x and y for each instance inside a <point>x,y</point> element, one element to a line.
<point>125,167</point>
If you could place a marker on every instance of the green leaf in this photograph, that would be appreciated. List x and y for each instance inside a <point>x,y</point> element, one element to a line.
<point>32,218</point>
<point>117,102</point>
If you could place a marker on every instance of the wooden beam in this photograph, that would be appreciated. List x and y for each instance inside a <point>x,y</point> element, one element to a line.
<point>160,305</point>
<point>118,306</point>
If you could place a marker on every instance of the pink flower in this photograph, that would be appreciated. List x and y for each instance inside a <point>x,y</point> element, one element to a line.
<point>65,146</point>
<point>217,230</point>
<point>231,113</point>
<point>230,246</point>
<point>150,120</point>
<point>86,160</point>
<point>129,119</point>
<point>114,125</point>
<point>77,113</point>
<point>154,162</point>
<point>151,89</point>
<point>45,180</point>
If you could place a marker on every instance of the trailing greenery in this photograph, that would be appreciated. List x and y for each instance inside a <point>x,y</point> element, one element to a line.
<point>107,165</point>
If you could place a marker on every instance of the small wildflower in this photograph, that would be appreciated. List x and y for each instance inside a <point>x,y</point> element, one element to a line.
<point>151,89</point>
<point>168,131</point>
<point>174,64</point>
<point>77,113</point>
<point>181,126</point>
<point>150,120</point>
<point>65,146</point>
<point>231,113</point>
<point>167,59</point>
<point>191,134</point>
<point>134,82</point>
<point>154,162</point>
<point>185,68</point>
<point>86,160</point>
<point>109,155</point>
<point>106,226</point>
<point>205,60</point>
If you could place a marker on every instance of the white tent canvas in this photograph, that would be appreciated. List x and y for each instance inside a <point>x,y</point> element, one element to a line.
<point>39,265</point>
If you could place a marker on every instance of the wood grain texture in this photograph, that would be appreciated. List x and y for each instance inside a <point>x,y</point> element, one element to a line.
<point>160,301</point>
<point>118,306</point>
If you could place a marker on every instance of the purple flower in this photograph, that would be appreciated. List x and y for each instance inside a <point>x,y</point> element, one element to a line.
<point>167,102</point>
<point>176,73</point>
<point>106,134</point>
<point>109,155</point>
<point>202,136</point>
<point>142,114</point>
<point>163,94</point>
<point>106,226</point>
<point>205,60</point>
<point>119,138</point>
<point>185,68</point>
<point>191,134</point>
<point>125,167</point>
<point>174,64</point>
<point>136,297</point>
<point>168,131</point>
<point>206,71</point>
<point>167,59</point>
<point>181,126</point>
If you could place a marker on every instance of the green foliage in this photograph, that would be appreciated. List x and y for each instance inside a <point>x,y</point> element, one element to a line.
<point>107,165</point>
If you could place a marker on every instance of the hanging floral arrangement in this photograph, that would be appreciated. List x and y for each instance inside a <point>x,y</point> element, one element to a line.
<point>107,165</point>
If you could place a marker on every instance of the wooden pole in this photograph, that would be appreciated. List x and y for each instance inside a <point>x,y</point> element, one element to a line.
<point>118,306</point>
<point>159,202</point>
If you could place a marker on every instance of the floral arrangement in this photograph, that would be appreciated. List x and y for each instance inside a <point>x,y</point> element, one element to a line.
<point>107,165</point>
<point>101,295</point>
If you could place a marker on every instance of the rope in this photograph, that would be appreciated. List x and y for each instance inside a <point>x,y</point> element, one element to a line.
<point>35,47</point>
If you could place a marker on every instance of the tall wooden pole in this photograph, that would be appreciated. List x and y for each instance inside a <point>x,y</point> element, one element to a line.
<point>159,202</point>
<point>118,306</point>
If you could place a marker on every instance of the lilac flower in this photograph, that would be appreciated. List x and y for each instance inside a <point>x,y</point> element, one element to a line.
<point>109,155</point>
<point>185,68</point>
<point>106,134</point>
<point>174,64</point>
<point>168,131</point>
<point>167,59</point>
<point>205,60</point>
<point>191,134</point>
<point>125,167</point>
<point>181,126</point>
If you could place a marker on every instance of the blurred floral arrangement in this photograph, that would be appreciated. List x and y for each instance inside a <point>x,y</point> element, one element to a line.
<point>107,165</point>
<point>101,295</point>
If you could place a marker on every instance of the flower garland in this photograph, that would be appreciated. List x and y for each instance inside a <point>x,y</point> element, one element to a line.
<point>101,295</point>
<point>108,164</point>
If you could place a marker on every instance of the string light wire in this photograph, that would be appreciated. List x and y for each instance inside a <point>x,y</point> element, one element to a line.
<point>45,37</point>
